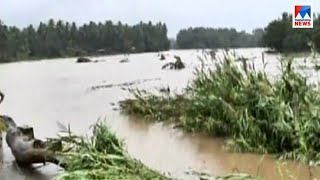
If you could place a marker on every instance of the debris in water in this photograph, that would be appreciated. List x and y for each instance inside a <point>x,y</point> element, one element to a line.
<point>242,59</point>
<point>237,176</point>
<point>1,96</point>
<point>271,51</point>
<point>83,60</point>
<point>162,57</point>
<point>126,60</point>
<point>178,64</point>
<point>124,84</point>
<point>200,175</point>
<point>165,90</point>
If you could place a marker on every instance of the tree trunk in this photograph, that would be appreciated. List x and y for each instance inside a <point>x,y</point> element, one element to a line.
<point>26,149</point>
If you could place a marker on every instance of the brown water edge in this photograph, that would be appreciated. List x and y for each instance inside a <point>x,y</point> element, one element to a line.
<point>167,149</point>
<point>164,148</point>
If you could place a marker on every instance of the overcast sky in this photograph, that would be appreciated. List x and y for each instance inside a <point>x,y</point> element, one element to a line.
<point>177,14</point>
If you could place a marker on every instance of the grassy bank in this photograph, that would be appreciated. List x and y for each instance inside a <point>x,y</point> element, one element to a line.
<point>102,156</point>
<point>256,114</point>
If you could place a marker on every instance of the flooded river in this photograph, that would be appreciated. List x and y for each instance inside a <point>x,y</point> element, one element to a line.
<point>42,93</point>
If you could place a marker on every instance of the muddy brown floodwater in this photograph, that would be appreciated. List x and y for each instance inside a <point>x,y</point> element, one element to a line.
<point>42,93</point>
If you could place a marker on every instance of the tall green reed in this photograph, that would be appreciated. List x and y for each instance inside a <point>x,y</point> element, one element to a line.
<point>255,113</point>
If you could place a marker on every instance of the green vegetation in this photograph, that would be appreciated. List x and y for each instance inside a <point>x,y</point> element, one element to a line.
<point>102,157</point>
<point>280,35</point>
<point>63,39</point>
<point>3,127</point>
<point>238,102</point>
<point>218,38</point>
<point>60,39</point>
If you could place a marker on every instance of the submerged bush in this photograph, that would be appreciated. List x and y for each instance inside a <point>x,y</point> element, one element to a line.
<point>154,107</point>
<point>281,116</point>
<point>102,157</point>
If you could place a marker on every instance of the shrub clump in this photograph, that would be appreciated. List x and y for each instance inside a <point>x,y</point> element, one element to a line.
<point>102,157</point>
<point>257,114</point>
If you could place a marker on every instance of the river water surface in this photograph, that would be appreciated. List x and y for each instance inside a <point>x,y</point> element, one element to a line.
<point>42,93</point>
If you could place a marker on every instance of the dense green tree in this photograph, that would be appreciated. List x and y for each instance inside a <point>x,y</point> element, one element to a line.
<point>3,41</point>
<point>280,35</point>
<point>60,39</point>
<point>316,33</point>
<point>217,38</point>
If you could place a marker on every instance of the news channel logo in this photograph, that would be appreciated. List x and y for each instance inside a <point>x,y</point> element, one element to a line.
<point>302,17</point>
